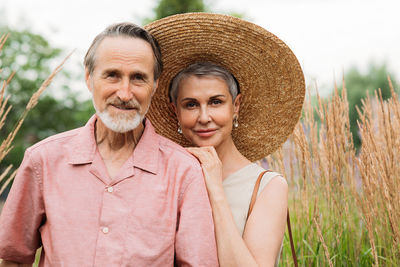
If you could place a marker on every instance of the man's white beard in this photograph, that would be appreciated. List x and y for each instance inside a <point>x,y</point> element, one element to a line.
<point>120,123</point>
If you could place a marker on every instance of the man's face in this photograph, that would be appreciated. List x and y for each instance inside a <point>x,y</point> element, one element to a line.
<point>122,82</point>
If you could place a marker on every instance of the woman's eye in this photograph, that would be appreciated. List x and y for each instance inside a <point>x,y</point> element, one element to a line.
<point>215,102</point>
<point>190,105</point>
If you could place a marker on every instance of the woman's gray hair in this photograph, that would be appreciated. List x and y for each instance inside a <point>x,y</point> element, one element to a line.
<point>129,30</point>
<point>204,69</point>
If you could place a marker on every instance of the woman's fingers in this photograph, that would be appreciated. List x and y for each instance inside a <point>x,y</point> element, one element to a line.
<point>203,154</point>
<point>207,156</point>
<point>211,165</point>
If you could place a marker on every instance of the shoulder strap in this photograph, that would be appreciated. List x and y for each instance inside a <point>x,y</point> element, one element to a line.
<point>291,240</point>
<point>253,200</point>
<point>255,191</point>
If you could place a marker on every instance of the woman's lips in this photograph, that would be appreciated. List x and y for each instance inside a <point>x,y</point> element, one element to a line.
<point>206,132</point>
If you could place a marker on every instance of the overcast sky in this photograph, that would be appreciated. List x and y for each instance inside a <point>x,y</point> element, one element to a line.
<point>327,36</point>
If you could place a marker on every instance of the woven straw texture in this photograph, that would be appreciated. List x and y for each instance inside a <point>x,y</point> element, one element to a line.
<point>269,75</point>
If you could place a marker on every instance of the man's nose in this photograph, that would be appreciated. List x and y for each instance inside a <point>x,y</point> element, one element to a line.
<point>125,91</point>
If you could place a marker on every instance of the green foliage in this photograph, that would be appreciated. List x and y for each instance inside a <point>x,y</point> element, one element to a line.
<point>359,84</point>
<point>167,8</point>
<point>32,58</point>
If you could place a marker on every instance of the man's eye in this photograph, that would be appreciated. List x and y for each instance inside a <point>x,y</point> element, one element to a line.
<point>112,75</point>
<point>138,77</point>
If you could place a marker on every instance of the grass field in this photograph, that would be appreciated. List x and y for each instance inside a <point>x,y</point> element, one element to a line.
<point>344,204</point>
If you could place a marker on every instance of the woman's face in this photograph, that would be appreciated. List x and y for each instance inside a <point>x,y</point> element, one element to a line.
<point>205,110</point>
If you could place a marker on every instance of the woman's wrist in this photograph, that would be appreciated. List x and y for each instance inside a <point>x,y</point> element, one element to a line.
<point>216,194</point>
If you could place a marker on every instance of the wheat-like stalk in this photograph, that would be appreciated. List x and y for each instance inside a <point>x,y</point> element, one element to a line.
<point>321,238</point>
<point>6,144</point>
<point>356,195</point>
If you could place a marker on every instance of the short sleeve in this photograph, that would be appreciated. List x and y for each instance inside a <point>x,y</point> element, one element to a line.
<point>267,177</point>
<point>22,214</point>
<point>195,239</point>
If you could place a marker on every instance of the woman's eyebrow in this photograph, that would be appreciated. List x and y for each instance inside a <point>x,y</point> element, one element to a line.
<point>215,96</point>
<point>188,99</point>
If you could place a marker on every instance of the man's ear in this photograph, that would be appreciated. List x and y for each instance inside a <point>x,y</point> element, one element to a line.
<point>236,104</point>
<point>155,86</point>
<point>87,79</point>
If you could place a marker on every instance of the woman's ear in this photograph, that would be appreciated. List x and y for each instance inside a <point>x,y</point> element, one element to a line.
<point>236,104</point>
<point>173,107</point>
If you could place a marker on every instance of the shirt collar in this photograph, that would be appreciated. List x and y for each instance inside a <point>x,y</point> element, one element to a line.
<point>145,156</point>
<point>83,145</point>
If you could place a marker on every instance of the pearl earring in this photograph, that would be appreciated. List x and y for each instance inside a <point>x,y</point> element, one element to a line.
<point>179,129</point>
<point>235,122</point>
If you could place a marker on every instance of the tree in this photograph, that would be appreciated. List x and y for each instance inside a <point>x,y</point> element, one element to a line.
<point>31,57</point>
<point>358,84</point>
<point>167,8</point>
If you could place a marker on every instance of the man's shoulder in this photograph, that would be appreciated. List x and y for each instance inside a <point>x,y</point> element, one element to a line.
<point>177,151</point>
<point>56,140</point>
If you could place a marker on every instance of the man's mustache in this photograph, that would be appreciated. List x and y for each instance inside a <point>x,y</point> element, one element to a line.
<point>131,104</point>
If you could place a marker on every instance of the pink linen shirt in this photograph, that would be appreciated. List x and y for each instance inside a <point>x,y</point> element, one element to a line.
<point>62,198</point>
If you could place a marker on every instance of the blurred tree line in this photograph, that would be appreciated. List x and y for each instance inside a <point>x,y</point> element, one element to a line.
<point>31,56</point>
<point>359,84</point>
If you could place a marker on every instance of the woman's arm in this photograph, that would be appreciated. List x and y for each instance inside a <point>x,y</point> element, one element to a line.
<point>264,230</point>
<point>266,225</point>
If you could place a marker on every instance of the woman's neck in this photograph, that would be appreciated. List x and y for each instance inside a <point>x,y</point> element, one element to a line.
<point>232,160</point>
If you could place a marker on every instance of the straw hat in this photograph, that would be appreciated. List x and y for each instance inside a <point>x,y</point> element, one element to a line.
<point>270,77</point>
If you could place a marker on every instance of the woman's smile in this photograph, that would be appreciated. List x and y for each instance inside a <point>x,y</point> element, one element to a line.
<point>206,132</point>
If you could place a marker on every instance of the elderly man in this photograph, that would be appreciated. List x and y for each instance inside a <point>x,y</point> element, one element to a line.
<point>112,193</point>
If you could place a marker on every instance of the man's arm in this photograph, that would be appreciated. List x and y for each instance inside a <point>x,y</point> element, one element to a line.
<point>195,239</point>
<point>22,215</point>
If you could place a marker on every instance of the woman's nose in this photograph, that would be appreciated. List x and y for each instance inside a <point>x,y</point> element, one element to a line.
<point>204,116</point>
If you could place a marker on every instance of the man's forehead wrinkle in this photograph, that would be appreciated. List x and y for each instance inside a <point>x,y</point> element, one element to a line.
<point>120,57</point>
<point>120,52</point>
<point>119,71</point>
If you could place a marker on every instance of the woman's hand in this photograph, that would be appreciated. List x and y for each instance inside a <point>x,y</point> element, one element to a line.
<point>212,167</point>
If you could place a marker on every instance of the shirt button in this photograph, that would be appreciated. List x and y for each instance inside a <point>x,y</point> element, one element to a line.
<point>105,230</point>
<point>110,189</point>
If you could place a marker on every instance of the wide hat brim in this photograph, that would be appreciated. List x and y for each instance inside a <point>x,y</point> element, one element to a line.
<point>269,75</point>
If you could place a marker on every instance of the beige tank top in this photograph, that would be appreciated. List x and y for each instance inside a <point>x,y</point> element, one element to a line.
<point>238,188</point>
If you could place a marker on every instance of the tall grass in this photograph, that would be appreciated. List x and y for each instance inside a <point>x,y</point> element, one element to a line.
<point>6,145</point>
<point>344,206</point>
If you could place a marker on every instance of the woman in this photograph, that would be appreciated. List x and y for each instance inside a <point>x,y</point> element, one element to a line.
<point>265,94</point>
